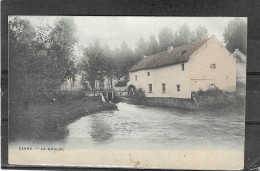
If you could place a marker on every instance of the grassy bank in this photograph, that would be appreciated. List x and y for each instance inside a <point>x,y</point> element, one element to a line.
<point>47,120</point>
<point>213,99</point>
<point>216,99</point>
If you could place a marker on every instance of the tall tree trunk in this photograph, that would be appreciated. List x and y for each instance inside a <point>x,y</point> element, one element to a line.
<point>111,81</point>
<point>71,84</point>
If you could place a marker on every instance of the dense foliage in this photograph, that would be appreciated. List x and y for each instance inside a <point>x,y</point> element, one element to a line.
<point>40,59</point>
<point>139,96</point>
<point>235,35</point>
<point>22,59</point>
<point>216,98</point>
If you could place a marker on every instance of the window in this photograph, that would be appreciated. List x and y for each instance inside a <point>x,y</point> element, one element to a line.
<point>182,67</point>
<point>178,87</point>
<point>213,66</point>
<point>136,77</point>
<point>150,87</point>
<point>148,73</point>
<point>163,88</point>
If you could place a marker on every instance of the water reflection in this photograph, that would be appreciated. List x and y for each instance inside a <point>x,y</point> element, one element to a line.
<point>143,127</point>
<point>101,131</point>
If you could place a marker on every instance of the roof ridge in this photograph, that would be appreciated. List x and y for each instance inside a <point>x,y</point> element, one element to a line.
<point>184,45</point>
<point>164,58</point>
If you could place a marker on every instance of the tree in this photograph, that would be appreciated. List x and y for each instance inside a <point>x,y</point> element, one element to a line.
<point>41,58</point>
<point>22,70</point>
<point>235,35</point>
<point>153,46</point>
<point>107,51</point>
<point>125,58</point>
<point>141,47</point>
<point>110,64</point>
<point>71,73</point>
<point>201,33</point>
<point>183,36</point>
<point>94,63</point>
<point>165,38</point>
<point>62,41</point>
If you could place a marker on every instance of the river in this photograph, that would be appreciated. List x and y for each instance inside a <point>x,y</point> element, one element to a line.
<point>138,127</point>
<point>145,127</point>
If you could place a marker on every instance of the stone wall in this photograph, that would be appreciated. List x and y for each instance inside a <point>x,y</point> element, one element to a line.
<point>166,102</point>
<point>172,102</point>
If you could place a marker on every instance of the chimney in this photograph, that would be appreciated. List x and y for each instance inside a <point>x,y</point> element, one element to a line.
<point>236,50</point>
<point>170,48</point>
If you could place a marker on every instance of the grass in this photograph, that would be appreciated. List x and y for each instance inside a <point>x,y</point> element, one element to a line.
<point>48,120</point>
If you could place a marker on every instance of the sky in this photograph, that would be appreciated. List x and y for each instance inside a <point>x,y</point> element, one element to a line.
<point>113,30</point>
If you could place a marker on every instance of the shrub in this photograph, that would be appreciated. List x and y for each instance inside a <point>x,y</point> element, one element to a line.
<point>216,98</point>
<point>139,96</point>
<point>115,99</point>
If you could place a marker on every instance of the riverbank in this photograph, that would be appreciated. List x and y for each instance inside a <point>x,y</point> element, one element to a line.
<point>202,100</point>
<point>48,120</point>
<point>219,100</point>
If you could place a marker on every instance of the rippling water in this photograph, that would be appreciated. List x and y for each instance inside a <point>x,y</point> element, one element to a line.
<point>143,127</point>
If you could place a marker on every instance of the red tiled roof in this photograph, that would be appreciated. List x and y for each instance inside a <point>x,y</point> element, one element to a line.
<point>177,55</point>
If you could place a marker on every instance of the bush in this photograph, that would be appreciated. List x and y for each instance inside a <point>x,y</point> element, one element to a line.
<point>216,98</point>
<point>115,99</point>
<point>139,97</point>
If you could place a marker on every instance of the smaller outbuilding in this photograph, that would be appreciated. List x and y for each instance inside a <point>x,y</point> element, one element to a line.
<point>121,87</point>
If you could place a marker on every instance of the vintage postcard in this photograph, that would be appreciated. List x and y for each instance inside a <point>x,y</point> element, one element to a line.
<point>144,92</point>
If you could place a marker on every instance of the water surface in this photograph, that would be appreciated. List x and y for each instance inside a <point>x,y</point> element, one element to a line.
<point>145,127</point>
